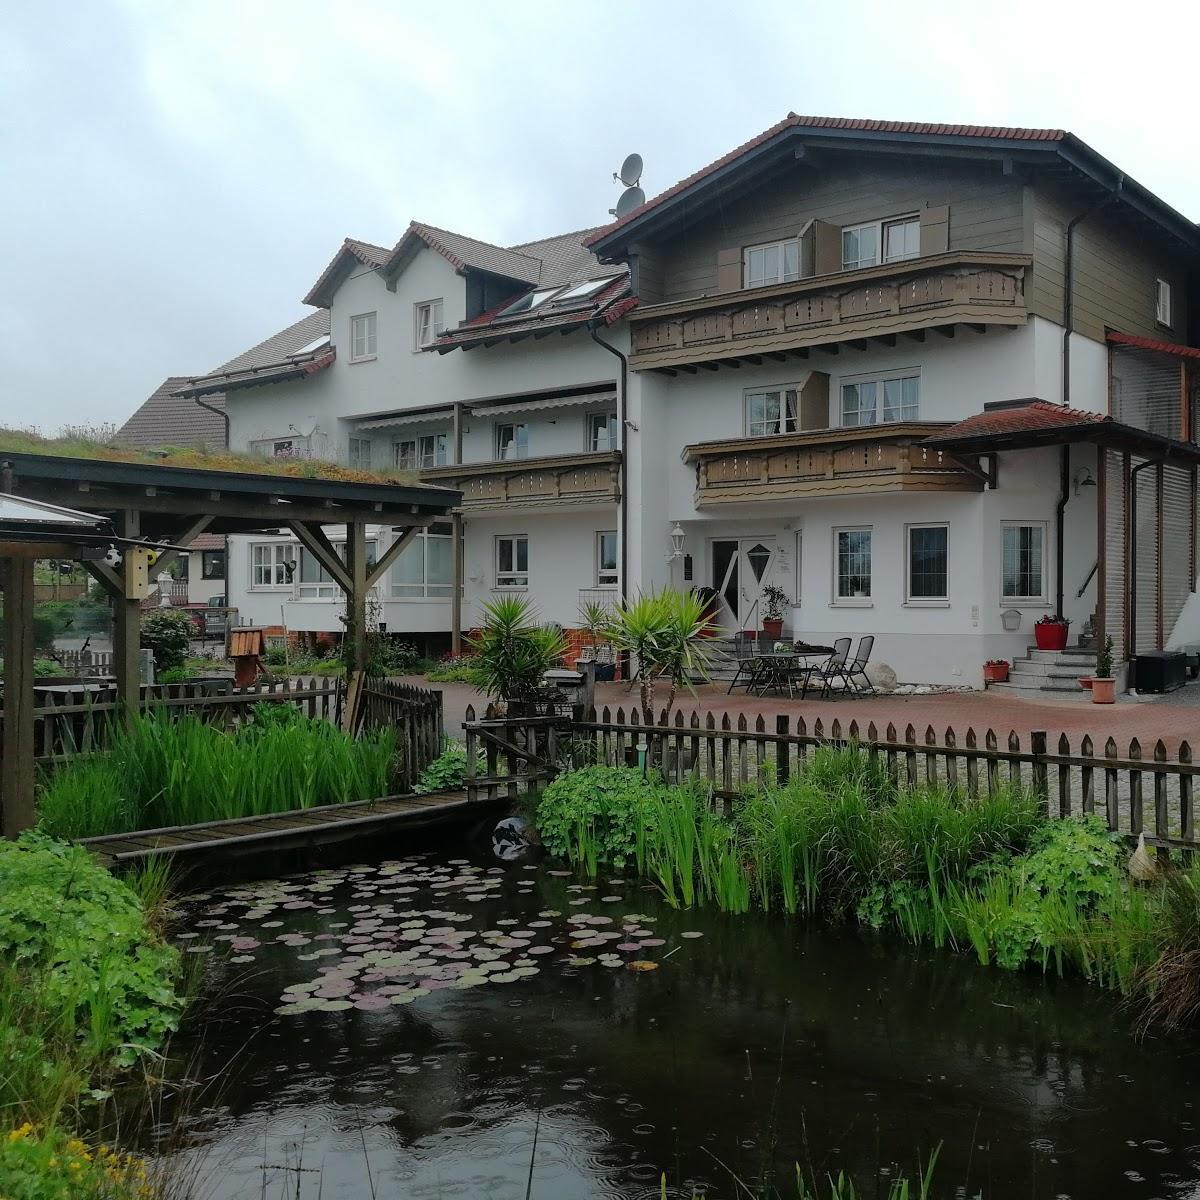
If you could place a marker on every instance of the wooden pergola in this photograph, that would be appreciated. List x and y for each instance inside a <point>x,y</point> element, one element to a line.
<point>159,506</point>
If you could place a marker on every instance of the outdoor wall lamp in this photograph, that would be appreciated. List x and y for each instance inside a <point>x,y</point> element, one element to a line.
<point>677,540</point>
<point>1083,479</point>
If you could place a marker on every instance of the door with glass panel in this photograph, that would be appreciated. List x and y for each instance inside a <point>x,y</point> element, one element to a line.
<point>741,568</point>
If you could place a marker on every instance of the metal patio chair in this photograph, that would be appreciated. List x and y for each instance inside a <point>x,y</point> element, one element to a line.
<point>746,651</point>
<point>834,667</point>
<point>857,669</point>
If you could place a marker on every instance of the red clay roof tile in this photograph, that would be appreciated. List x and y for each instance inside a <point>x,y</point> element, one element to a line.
<point>1020,418</point>
<point>1144,343</point>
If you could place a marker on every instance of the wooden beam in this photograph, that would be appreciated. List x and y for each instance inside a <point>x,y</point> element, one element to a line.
<point>885,339</point>
<point>947,331</point>
<point>16,780</point>
<point>185,537</point>
<point>392,553</point>
<point>106,577</point>
<point>709,366</point>
<point>312,537</point>
<point>917,335</point>
<point>127,620</point>
<point>355,645</point>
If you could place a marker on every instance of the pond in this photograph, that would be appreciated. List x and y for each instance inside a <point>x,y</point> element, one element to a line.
<point>432,1025</point>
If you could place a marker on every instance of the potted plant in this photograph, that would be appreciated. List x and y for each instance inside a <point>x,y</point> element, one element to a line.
<point>995,670</point>
<point>593,620</point>
<point>775,599</point>
<point>1103,684</point>
<point>1051,632</point>
<point>514,652</point>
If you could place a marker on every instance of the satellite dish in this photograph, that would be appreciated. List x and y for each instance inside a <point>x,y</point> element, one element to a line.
<point>631,198</point>
<point>630,173</point>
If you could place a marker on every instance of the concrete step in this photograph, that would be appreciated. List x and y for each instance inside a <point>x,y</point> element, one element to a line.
<point>1069,669</point>
<point>1024,688</point>
<point>1045,682</point>
<point>1070,654</point>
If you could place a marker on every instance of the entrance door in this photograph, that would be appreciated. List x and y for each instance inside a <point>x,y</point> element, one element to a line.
<point>741,568</point>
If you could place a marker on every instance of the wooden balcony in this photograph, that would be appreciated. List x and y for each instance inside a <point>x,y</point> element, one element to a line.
<point>938,291</point>
<point>860,461</point>
<point>555,481</point>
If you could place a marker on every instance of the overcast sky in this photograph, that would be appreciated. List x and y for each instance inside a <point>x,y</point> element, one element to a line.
<point>177,173</point>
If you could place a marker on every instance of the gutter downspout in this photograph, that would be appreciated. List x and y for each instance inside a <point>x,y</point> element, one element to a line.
<point>1133,564</point>
<point>212,408</point>
<point>623,502</point>
<point>1064,494</point>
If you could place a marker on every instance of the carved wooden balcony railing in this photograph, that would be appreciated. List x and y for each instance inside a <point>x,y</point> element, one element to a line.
<point>938,291</point>
<point>859,461</point>
<point>550,482</point>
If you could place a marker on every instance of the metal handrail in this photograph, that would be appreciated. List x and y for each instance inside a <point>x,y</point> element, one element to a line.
<point>1090,576</point>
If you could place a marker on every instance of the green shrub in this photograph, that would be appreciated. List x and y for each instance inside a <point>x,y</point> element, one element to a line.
<point>513,651</point>
<point>167,632</point>
<point>81,933</point>
<point>387,655</point>
<point>464,669</point>
<point>608,805</point>
<point>447,772</point>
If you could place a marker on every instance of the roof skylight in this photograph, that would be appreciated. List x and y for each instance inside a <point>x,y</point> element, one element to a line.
<point>581,290</point>
<point>528,302</point>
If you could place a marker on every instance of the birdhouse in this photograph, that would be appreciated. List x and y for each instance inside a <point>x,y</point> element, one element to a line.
<point>246,646</point>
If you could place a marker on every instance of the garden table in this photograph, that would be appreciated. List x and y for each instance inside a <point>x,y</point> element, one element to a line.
<point>779,670</point>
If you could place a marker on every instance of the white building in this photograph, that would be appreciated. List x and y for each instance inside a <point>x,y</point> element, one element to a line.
<point>836,360</point>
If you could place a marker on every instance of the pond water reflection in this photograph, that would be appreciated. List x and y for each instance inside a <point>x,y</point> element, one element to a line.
<point>401,1029</point>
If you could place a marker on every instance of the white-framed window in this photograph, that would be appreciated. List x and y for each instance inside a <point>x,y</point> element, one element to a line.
<point>420,453</point>
<point>425,568</point>
<point>772,262</point>
<point>1162,302</point>
<point>528,302</point>
<point>428,324</point>
<point>852,565</point>
<point>282,447</point>
<point>512,441</point>
<point>873,242</point>
<point>774,410</point>
<point>928,552</point>
<point>1023,562</point>
<point>315,582</point>
<point>876,399</point>
<point>512,560</point>
<point>606,558</point>
<point>581,291</point>
<point>602,430</point>
<point>360,453</point>
<point>272,564</point>
<point>362,337</point>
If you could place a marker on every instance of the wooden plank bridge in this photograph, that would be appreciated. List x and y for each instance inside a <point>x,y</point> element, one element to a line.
<point>300,828</point>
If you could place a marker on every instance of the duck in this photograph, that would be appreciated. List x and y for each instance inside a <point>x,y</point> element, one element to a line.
<point>1141,865</point>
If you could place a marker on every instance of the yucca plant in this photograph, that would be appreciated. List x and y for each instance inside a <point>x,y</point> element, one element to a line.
<point>514,651</point>
<point>666,633</point>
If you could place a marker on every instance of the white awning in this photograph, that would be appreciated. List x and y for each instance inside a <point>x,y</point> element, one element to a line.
<point>524,406</point>
<point>425,418</point>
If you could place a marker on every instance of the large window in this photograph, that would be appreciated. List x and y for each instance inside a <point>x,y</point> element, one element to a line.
<point>880,241</point>
<point>360,453</point>
<point>1023,562</point>
<point>852,566</point>
<point>315,582</point>
<point>602,431</point>
<point>425,568</point>
<point>772,411</point>
<point>606,558</point>
<point>272,564</point>
<point>928,559</point>
<point>512,441</point>
<point>362,337</point>
<point>774,262</point>
<point>420,453</point>
<point>428,322</point>
<point>881,398</point>
<point>512,561</point>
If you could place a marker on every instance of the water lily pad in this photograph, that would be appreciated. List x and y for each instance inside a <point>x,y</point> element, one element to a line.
<point>334,1005</point>
<point>641,964</point>
<point>692,933</point>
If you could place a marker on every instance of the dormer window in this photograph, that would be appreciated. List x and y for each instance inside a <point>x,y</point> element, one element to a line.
<point>528,302</point>
<point>773,262</point>
<point>428,322</point>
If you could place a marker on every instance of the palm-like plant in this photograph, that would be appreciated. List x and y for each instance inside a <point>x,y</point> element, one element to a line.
<point>593,620</point>
<point>666,634</point>
<point>514,650</point>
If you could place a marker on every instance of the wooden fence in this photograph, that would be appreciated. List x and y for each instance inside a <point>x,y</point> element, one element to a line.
<point>1133,789</point>
<point>520,754</point>
<point>416,716</point>
<point>84,662</point>
<point>67,724</point>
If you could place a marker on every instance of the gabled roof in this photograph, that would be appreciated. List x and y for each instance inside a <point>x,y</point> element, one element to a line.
<point>350,252</point>
<point>776,145</point>
<point>465,253</point>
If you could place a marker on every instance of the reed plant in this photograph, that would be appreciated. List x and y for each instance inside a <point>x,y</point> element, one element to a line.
<point>163,771</point>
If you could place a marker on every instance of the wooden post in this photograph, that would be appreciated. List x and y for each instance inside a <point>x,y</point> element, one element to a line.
<point>356,619</point>
<point>1041,776</point>
<point>456,582</point>
<point>16,779</point>
<point>127,622</point>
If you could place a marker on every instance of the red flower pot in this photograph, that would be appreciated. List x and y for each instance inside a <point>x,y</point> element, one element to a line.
<point>995,672</point>
<point>1051,635</point>
<point>773,628</point>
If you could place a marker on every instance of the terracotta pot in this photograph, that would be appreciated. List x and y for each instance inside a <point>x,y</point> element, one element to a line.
<point>1086,683</point>
<point>1104,691</point>
<point>995,672</point>
<point>1051,635</point>
<point>773,627</point>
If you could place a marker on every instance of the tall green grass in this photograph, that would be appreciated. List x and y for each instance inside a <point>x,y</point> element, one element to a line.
<point>162,771</point>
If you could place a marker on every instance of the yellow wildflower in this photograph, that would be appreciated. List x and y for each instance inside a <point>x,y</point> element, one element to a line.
<point>16,1135</point>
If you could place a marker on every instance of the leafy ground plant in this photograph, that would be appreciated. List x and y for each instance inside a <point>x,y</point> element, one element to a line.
<point>447,772</point>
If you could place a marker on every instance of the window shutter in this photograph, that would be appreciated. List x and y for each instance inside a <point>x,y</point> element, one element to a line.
<point>827,248</point>
<point>935,229</point>
<point>729,269</point>
<point>814,401</point>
